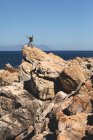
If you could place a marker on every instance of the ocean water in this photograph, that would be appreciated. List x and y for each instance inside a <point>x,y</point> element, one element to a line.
<point>15,57</point>
<point>12,57</point>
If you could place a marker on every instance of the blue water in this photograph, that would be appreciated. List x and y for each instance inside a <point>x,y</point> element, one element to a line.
<point>15,57</point>
<point>72,54</point>
<point>12,57</point>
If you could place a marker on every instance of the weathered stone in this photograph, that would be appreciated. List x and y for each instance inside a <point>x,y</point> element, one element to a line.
<point>72,127</point>
<point>71,77</point>
<point>47,98</point>
<point>17,111</point>
<point>25,71</point>
<point>7,78</point>
<point>45,65</point>
<point>42,88</point>
<point>60,96</point>
<point>80,104</point>
<point>10,68</point>
<point>26,134</point>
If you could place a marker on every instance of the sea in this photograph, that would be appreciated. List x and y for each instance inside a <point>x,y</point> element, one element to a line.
<point>15,57</point>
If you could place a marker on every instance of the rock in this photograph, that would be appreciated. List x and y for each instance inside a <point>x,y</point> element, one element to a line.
<point>42,88</point>
<point>63,105</point>
<point>39,137</point>
<point>10,68</point>
<point>43,69</point>
<point>26,134</point>
<point>26,67</point>
<point>62,137</point>
<point>7,78</point>
<point>45,65</point>
<point>81,103</point>
<point>17,110</point>
<point>72,127</point>
<point>33,54</point>
<point>25,71</point>
<point>47,98</point>
<point>85,63</point>
<point>71,77</point>
<point>60,96</point>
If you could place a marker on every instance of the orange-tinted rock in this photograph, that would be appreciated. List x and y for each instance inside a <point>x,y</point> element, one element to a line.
<point>71,77</point>
<point>9,68</point>
<point>80,104</point>
<point>7,77</point>
<point>25,71</point>
<point>45,65</point>
<point>42,88</point>
<point>43,68</point>
<point>72,127</point>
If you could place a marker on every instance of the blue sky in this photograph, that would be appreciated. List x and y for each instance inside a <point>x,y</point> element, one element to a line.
<point>60,24</point>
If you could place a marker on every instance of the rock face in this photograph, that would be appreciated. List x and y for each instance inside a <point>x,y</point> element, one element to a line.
<point>45,65</point>
<point>46,98</point>
<point>17,110</point>
<point>44,69</point>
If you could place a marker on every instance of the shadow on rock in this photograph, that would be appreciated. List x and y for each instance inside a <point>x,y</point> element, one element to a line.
<point>88,136</point>
<point>51,137</point>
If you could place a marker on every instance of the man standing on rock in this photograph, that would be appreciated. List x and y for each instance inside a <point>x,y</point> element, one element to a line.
<point>30,40</point>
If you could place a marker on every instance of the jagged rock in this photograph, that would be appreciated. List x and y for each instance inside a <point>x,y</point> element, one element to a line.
<point>42,88</point>
<point>72,127</point>
<point>47,98</point>
<point>26,134</point>
<point>60,96</point>
<point>81,103</point>
<point>85,63</point>
<point>7,78</point>
<point>63,105</point>
<point>10,68</point>
<point>45,65</point>
<point>71,77</point>
<point>26,67</point>
<point>44,69</point>
<point>17,110</point>
<point>25,71</point>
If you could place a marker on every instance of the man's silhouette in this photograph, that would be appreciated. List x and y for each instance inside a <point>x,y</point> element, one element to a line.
<point>30,40</point>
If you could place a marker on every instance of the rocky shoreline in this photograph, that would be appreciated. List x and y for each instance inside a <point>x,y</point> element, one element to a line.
<point>46,98</point>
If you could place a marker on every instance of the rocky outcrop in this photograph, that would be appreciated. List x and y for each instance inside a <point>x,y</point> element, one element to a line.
<point>44,69</point>
<point>43,64</point>
<point>46,98</point>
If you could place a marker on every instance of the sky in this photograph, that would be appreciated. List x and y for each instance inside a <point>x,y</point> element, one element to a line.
<point>60,24</point>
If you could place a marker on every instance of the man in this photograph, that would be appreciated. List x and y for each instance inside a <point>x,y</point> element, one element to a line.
<point>30,40</point>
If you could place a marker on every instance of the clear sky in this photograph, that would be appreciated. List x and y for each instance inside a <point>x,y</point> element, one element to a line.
<point>60,24</point>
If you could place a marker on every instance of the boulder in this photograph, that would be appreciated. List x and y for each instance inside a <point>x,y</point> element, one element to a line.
<point>60,96</point>
<point>71,77</point>
<point>41,71</point>
<point>7,78</point>
<point>45,65</point>
<point>42,88</point>
<point>81,103</point>
<point>25,71</point>
<point>10,68</point>
<point>72,127</point>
